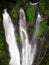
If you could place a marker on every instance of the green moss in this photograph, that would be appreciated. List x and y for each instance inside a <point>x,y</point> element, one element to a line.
<point>5,61</point>
<point>15,11</point>
<point>2,54</point>
<point>42,5</point>
<point>43,27</point>
<point>30,11</point>
<point>47,12</point>
<point>18,38</point>
<point>0,19</point>
<point>1,44</point>
<point>1,39</point>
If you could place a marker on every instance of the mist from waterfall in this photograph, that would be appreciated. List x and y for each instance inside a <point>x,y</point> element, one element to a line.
<point>11,39</point>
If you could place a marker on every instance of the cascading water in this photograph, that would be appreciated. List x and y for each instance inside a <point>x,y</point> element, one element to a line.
<point>37,30</point>
<point>24,38</point>
<point>28,52</point>
<point>11,39</point>
<point>37,26</point>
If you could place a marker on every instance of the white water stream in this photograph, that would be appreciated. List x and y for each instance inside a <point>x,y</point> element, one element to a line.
<point>11,39</point>
<point>28,53</point>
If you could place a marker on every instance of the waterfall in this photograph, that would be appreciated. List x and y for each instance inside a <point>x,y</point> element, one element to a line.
<point>37,30</point>
<point>24,38</point>
<point>37,26</point>
<point>27,52</point>
<point>11,39</point>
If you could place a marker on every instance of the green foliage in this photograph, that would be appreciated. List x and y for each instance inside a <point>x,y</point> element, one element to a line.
<point>47,12</point>
<point>15,10</point>
<point>0,19</point>
<point>1,39</point>
<point>2,53</point>
<point>5,61</point>
<point>1,44</point>
<point>43,29</point>
<point>42,5</point>
<point>30,11</point>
